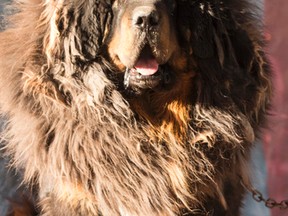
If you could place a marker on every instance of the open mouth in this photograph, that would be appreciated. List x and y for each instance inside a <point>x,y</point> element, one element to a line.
<point>146,73</point>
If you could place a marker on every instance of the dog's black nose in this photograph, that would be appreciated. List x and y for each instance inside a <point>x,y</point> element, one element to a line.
<point>145,17</point>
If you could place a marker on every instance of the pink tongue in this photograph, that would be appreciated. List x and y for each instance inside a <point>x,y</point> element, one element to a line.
<point>147,67</point>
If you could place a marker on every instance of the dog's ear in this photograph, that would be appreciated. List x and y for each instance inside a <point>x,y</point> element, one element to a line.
<point>71,34</point>
<point>227,43</point>
<point>245,61</point>
<point>77,29</point>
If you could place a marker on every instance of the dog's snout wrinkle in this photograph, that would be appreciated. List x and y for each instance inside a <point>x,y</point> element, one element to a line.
<point>145,17</point>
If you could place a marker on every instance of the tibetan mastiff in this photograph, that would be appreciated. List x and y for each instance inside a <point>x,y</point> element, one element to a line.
<point>129,107</point>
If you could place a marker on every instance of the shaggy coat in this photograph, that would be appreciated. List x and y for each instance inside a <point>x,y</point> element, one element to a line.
<point>90,148</point>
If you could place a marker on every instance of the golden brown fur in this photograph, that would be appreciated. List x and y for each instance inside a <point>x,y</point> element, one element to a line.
<point>91,149</point>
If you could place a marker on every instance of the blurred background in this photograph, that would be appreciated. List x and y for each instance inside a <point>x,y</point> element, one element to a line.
<point>270,156</point>
<point>275,138</point>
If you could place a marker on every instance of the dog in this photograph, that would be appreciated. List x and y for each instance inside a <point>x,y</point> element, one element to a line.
<point>127,107</point>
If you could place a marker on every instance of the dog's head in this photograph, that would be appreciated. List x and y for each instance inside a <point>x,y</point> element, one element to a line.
<point>207,52</point>
<point>140,39</point>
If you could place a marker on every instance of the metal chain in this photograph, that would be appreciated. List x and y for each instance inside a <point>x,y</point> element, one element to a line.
<point>269,203</point>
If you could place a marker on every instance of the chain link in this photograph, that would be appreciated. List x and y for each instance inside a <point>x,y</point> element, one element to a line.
<point>269,203</point>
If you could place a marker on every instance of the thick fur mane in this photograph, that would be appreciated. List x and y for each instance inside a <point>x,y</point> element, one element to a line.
<point>72,130</point>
